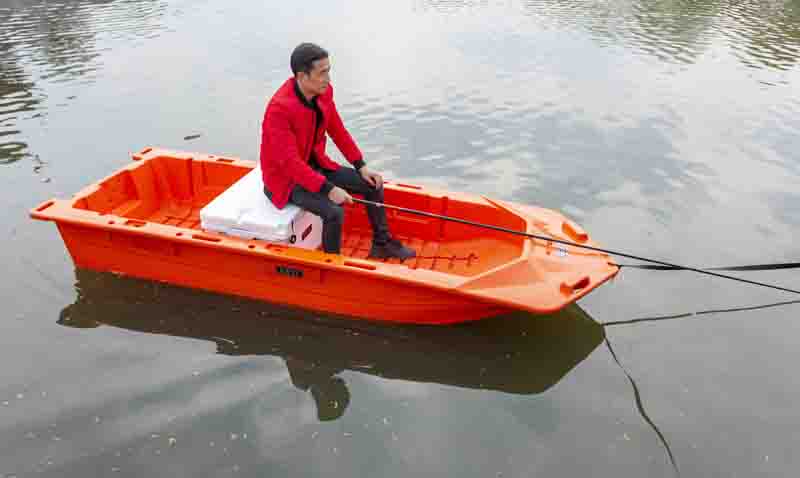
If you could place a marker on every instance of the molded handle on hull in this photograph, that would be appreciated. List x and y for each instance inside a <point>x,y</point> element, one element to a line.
<point>40,212</point>
<point>574,231</point>
<point>572,286</point>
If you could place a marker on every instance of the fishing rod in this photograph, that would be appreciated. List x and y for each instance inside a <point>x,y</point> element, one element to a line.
<point>568,243</point>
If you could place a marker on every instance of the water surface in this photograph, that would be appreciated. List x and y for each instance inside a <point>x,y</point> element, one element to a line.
<point>666,128</point>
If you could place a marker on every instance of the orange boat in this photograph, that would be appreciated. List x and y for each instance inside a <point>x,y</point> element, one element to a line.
<point>144,221</point>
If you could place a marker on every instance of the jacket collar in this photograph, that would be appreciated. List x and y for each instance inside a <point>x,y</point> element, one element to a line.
<point>308,104</point>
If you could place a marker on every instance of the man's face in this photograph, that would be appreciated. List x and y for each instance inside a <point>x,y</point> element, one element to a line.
<point>316,82</point>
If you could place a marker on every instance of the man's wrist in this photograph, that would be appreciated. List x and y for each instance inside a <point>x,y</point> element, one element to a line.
<point>359,164</point>
<point>326,188</point>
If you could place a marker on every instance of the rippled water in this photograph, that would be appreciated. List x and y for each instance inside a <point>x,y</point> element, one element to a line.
<point>42,43</point>
<point>667,128</point>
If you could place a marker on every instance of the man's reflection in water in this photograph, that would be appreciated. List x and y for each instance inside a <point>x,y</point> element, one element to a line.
<point>516,353</point>
<point>329,391</point>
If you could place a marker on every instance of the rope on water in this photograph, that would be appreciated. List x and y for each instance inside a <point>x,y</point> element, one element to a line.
<point>753,267</point>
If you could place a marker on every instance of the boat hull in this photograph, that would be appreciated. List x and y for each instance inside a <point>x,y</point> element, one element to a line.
<point>199,267</point>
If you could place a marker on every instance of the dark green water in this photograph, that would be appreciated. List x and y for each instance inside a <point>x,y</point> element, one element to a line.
<point>665,128</point>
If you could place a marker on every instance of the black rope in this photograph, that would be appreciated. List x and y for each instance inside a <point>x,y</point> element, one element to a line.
<point>640,406</point>
<point>560,241</point>
<point>753,267</point>
<point>686,315</point>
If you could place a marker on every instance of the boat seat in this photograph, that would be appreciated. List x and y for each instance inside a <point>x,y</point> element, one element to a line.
<point>244,211</point>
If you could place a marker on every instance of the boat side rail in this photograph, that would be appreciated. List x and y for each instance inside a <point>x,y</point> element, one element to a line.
<point>62,212</point>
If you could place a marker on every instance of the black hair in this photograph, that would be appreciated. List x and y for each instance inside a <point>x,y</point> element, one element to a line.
<point>304,56</point>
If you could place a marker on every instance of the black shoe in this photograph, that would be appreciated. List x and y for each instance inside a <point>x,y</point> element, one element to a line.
<point>393,248</point>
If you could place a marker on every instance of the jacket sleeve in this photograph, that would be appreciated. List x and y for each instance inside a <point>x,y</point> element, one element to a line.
<point>281,150</point>
<point>341,137</point>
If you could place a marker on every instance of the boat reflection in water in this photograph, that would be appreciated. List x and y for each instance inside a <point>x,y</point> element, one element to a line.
<point>515,353</point>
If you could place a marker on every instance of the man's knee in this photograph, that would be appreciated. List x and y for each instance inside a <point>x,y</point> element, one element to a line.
<point>333,214</point>
<point>374,194</point>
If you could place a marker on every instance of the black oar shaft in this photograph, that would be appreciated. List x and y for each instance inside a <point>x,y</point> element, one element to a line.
<point>561,241</point>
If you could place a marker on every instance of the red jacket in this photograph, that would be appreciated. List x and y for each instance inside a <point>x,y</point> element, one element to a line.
<point>288,140</point>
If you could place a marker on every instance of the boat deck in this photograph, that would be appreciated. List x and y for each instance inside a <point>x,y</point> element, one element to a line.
<point>453,257</point>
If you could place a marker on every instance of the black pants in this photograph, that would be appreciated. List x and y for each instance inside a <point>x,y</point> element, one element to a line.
<point>332,214</point>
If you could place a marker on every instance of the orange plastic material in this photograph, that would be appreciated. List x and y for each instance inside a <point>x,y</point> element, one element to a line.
<point>143,221</point>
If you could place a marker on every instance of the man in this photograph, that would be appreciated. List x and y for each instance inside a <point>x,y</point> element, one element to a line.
<point>296,168</point>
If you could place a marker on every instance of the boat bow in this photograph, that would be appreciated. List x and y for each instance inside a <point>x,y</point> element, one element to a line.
<point>547,275</point>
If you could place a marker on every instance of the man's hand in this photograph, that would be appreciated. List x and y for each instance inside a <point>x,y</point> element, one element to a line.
<point>374,179</point>
<point>340,196</point>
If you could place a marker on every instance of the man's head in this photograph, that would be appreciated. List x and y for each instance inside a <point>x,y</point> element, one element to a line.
<point>311,68</point>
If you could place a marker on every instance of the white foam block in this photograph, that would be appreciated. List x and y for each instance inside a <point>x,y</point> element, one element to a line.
<point>244,211</point>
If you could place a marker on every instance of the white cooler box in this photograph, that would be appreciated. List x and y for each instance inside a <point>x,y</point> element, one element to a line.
<point>244,211</point>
